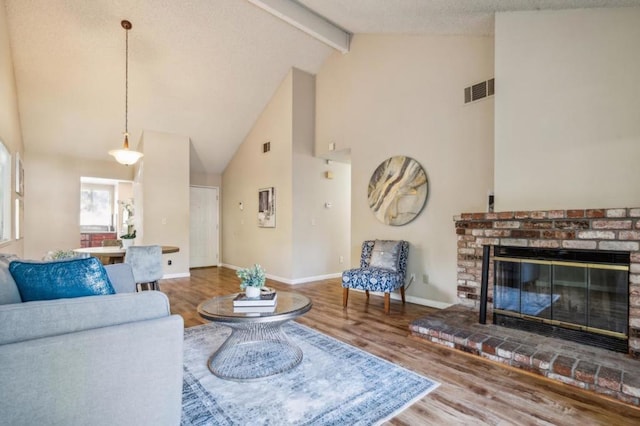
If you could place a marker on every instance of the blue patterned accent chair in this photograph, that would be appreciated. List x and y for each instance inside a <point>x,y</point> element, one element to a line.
<point>383,266</point>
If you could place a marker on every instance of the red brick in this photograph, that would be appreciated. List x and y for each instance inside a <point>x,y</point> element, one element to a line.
<point>505,215</point>
<point>534,224</point>
<point>489,346</point>
<point>609,378</point>
<point>522,355</point>
<point>542,359</point>
<point>521,215</point>
<point>571,224</point>
<point>575,213</point>
<point>595,213</point>
<point>556,214</point>
<point>563,365</point>
<point>519,233</point>
<point>586,372</point>
<point>611,224</point>
<point>560,235</point>
<point>629,235</point>
<point>538,215</point>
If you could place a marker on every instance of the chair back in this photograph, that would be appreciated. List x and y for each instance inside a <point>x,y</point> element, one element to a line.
<point>146,262</point>
<point>403,255</point>
<point>111,243</point>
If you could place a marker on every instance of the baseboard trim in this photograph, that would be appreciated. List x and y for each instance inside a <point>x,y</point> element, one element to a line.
<point>293,281</point>
<point>413,299</point>
<point>178,275</point>
<point>395,296</point>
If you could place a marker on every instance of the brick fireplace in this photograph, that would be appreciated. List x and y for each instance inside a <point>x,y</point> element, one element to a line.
<point>589,229</point>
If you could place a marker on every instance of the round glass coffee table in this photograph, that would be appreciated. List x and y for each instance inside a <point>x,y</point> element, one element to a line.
<point>257,346</point>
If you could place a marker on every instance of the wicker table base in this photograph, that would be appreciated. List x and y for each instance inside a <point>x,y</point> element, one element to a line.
<point>255,351</point>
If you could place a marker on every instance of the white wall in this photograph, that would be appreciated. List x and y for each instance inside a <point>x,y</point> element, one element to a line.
<point>403,95</point>
<point>52,199</point>
<point>567,132</point>
<point>308,239</point>
<point>10,131</point>
<point>321,234</point>
<point>205,179</point>
<point>163,181</point>
<point>243,242</point>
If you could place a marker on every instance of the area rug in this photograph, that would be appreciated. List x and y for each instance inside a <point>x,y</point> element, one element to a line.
<point>335,384</point>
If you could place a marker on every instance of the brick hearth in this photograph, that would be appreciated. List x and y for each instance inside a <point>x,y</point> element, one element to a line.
<point>592,229</point>
<point>612,374</point>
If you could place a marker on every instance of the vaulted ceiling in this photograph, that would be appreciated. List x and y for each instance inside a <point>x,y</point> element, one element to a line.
<point>200,68</point>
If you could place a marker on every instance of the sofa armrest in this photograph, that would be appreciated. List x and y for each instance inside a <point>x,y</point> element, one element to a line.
<point>33,320</point>
<point>128,374</point>
<point>121,277</point>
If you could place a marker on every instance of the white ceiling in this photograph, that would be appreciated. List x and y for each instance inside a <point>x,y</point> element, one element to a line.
<point>201,68</point>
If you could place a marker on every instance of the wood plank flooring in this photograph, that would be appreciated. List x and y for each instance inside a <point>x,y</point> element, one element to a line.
<point>473,391</point>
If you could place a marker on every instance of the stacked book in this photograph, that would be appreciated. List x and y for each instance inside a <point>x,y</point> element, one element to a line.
<point>265,303</point>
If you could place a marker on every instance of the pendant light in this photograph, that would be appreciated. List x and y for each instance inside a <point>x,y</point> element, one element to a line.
<point>125,155</point>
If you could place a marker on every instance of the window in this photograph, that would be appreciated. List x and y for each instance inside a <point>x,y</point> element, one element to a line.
<point>96,207</point>
<point>5,194</point>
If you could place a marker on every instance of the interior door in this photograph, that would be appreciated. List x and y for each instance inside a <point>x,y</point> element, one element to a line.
<point>203,227</point>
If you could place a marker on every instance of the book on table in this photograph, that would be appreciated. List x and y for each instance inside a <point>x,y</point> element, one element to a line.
<point>265,299</point>
<point>254,309</point>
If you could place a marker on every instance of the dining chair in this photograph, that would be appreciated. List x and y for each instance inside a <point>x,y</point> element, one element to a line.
<point>146,263</point>
<point>111,243</point>
<point>109,260</point>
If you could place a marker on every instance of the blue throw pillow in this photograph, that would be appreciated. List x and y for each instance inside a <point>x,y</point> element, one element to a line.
<point>60,279</point>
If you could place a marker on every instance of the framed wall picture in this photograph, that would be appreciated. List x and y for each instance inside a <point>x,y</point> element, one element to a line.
<point>5,193</point>
<point>267,208</point>
<point>19,175</point>
<point>18,217</point>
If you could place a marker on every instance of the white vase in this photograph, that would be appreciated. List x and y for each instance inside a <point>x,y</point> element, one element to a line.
<point>127,242</point>
<point>252,292</point>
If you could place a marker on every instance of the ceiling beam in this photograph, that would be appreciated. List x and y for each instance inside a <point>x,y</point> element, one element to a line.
<point>306,20</point>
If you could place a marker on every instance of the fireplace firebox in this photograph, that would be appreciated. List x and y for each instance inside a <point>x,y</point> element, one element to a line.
<point>579,295</point>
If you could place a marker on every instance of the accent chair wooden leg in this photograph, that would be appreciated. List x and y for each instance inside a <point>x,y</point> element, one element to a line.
<point>387,303</point>
<point>345,296</point>
<point>367,293</point>
<point>402,294</point>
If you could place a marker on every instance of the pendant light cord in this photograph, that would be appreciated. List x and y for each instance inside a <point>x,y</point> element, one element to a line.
<point>126,84</point>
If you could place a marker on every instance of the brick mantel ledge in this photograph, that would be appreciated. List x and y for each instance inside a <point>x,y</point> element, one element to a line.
<point>590,229</point>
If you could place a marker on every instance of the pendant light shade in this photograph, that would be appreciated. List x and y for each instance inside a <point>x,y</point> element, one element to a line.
<point>125,155</point>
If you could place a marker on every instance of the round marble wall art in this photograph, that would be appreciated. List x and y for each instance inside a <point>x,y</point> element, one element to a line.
<point>397,190</point>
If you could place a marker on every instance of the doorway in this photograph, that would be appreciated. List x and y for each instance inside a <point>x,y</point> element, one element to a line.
<point>203,227</point>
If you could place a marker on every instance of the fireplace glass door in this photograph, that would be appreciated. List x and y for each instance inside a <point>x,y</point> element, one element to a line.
<point>588,297</point>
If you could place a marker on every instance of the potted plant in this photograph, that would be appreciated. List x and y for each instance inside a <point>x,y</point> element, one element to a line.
<point>251,280</point>
<point>127,239</point>
<point>127,213</point>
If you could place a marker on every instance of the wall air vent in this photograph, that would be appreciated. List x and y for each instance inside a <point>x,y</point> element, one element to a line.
<point>479,91</point>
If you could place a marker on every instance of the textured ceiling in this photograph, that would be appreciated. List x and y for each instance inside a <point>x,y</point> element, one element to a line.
<point>200,68</point>
<point>451,17</point>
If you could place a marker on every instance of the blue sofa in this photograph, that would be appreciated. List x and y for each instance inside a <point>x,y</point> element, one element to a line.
<point>95,360</point>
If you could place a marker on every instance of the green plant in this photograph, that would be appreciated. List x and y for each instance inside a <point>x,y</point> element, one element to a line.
<point>60,254</point>
<point>251,277</point>
<point>129,235</point>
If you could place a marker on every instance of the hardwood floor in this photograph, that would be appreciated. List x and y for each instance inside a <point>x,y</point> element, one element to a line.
<point>472,391</point>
